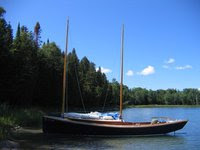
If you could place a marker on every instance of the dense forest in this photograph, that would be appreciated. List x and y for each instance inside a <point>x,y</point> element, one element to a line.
<point>31,75</point>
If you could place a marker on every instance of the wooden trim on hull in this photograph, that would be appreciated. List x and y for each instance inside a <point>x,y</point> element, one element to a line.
<point>62,125</point>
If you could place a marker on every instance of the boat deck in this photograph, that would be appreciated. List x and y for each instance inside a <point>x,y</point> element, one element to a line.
<point>113,123</point>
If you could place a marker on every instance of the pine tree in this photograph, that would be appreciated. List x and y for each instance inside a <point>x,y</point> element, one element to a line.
<point>37,31</point>
<point>6,39</point>
<point>6,36</point>
<point>2,11</point>
<point>25,54</point>
<point>49,83</point>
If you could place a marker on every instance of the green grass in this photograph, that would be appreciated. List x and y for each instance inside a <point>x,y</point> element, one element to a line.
<point>18,117</point>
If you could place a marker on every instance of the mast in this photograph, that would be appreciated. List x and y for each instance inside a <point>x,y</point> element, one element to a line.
<point>121,71</point>
<point>64,97</point>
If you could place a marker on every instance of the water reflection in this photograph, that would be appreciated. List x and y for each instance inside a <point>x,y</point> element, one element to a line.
<point>52,141</point>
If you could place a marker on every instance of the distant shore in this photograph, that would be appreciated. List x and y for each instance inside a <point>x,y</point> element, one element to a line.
<point>158,106</point>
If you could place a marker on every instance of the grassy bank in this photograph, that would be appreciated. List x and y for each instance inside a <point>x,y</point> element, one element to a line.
<point>11,119</point>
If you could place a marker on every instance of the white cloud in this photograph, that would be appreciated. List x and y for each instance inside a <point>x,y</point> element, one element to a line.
<point>129,73</point>
<point>184,67</point>
<point>165,66</point>
<point>104,70</point>
<point>199,89</point>
<point>147,71</point>
<point>170,61</point>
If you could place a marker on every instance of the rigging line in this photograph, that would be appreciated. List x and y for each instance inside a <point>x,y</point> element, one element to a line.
<point>105,99</point>
<point>75,68</point>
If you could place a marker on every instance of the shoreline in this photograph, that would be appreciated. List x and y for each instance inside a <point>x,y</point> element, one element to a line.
<point>24,137</point>
<point>32,124</point>
<point>161,106</point>
<point>32,137</point>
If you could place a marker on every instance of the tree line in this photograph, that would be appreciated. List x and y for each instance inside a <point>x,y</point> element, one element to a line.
<point>141,96</point>
<point>32,71</point>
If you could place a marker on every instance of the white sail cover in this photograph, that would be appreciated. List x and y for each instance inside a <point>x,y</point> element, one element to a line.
<point>93,115</point>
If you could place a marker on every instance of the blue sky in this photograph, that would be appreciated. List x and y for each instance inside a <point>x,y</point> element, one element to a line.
<point>162,37</point>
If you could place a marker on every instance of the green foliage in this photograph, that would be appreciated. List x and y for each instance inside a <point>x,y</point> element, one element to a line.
<point>2,11</point>
<point>48,87</point>
<point>12,118</point>
<point>17,40</point>
<point>25,67</point>
<point>29,117</point>
<point>94,87</point>
<point>6,66</point>
<point>6,121</point>
<point>5,38</point>
<point>37,31</point>
<point>5,127</point>
<point>140,96</point>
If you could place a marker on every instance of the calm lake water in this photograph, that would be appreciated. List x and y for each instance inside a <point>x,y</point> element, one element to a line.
<point>187,138</point>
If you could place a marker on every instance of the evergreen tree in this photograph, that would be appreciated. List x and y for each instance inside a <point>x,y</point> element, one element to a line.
<point>2,12</point>
<point>49,84</point>
<point>25,53</point>
<point>6,60</point>
<point>74,86</point>
<point>6,36</point>
<point>17,40</point>
<point>37,31</point>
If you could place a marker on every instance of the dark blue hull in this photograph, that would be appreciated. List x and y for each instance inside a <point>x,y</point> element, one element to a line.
<point>67,126</point>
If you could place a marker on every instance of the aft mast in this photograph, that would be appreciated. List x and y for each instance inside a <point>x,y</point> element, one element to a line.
<point>64,97</point>
<point>121,75</point>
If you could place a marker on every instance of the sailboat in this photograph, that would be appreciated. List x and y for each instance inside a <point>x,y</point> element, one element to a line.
<point>108,123</point>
